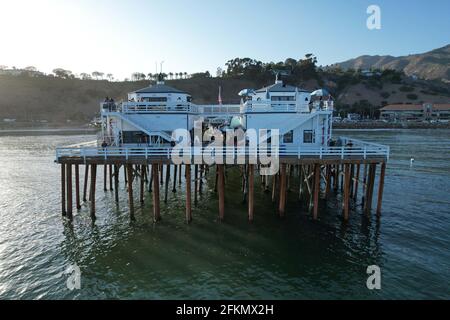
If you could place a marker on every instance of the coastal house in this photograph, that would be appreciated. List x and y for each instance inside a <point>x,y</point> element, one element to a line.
<point>300,119</point>
<point>148,117</point>
<point>416,112</point>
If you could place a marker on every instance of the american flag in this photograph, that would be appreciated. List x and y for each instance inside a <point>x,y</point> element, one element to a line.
<point>220,95</point>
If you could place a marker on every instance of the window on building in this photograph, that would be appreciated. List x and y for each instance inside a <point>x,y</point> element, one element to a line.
<point>288,137</point>
<point>156,99</point>
<point>282,98</point>
<point>308,136</point>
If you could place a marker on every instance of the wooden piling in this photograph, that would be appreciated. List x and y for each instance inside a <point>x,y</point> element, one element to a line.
<point>166,191</point>
<point>200,183</point>
<point>129,171</point>
<point>346,197</point>
<point>156,205</point>
<point>150,184</point>
<point>92,190</point>
<point>105,175</point>
<point>364,189</point>
<point>174,188</point>
<point>161,172</point>
<point>195,184</point>
<point>282,204</point>
<point>274,187</point>
<point>336,177</point>
<point>355,188</point>
<point>69,191</point>
<point>77,186</point>
<point>142,184</point>
<point>110,176</point>
<point>369,190</point>
<point>125,174</point>
<point>328,181</point>
<point>188,193</point>
<point>316,191</point>
<point>63,189</point>
<point>221,190</point>
<point>86,179</point>
<point>251,191</point>
<point>116,183</point>
<point>381,188</point>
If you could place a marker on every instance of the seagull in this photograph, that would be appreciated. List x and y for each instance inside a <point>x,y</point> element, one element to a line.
<point>411,162</point>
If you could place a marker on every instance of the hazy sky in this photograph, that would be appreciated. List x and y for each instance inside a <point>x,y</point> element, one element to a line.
<point>122,37</point>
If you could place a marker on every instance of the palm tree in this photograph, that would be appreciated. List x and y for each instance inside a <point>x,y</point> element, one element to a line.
<point>185,75</point>
<point>150,76</point>
<point>171,75</point>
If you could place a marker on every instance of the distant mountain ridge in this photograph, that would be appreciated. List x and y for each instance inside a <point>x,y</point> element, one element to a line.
<point>432,65</point>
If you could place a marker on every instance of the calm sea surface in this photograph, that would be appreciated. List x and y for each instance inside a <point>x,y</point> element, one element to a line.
<point>294,258</point>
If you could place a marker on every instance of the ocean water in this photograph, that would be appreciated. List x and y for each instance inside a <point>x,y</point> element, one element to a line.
<point>272,258</point>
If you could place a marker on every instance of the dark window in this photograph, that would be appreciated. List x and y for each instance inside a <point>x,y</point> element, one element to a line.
<point>288,137</point>
<point>134,137</point>
<point>156,99</point>
<point>308,136</point>
<point>282,98</point>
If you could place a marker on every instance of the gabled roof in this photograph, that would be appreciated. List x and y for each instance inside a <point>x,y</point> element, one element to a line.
<point>280,87</point>
<point>160,88</point>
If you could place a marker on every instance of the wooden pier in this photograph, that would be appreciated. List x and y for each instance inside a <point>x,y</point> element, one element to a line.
<point>317,176</point>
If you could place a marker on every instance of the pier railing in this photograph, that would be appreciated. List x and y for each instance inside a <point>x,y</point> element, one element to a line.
<point>148,107</point>
<point>349,149</point>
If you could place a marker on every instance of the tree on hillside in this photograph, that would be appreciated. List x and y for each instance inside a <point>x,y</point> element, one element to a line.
<point>30,69</point>
<point>110,76</point>
<point>62,73</point>
<point>201,75</point>
<point>3,67</point>
<point>219,72</point>
<point>97,75</point>
<point>85,76</point>
<point>137,76</point>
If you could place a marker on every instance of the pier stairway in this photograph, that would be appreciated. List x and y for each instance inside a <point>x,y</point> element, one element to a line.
<point>143,126</point>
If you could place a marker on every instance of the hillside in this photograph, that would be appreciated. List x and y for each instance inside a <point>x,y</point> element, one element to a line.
<point>432,65</point>
<point>58,100</point>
